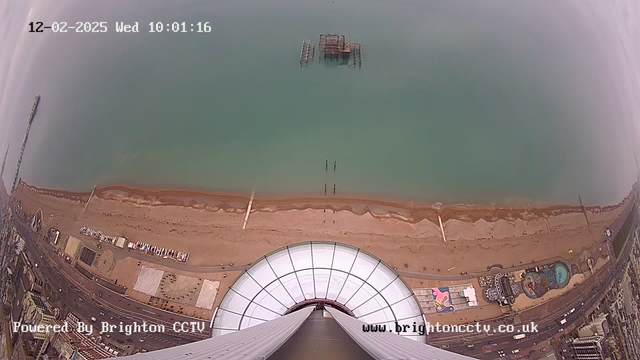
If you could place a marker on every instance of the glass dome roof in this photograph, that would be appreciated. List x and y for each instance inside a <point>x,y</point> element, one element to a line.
<point>354,280</point>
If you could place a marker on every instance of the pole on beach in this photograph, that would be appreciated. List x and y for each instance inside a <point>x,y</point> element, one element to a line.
<point>584,211</point>
<point>325,189</point>
<point>334,189</point>
<point>89,199</point>
<point>442,229</point>
<point>246,216</point>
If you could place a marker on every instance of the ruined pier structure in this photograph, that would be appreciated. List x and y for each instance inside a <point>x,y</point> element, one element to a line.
<point>334,47</point>
<point>334,51</point>
<point>307,52</point>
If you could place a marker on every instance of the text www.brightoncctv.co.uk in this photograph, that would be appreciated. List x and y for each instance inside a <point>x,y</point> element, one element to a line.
<point>428,328</point>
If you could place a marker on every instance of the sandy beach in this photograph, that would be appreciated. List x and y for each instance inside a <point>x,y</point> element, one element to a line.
<point>405,235</point>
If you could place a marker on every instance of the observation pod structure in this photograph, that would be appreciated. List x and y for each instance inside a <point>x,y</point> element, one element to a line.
<point>347,278</point>
<point>313,300</point>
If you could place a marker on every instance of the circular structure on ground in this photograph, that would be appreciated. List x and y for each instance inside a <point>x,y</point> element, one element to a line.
<point>105,262</point>
<point>562,274</point>
<point>179,288</point>
<point>354,281</point>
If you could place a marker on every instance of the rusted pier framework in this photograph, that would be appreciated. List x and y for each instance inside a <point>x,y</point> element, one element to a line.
<point>335,50</point>
<point>355,60</point>
<point>332,45</point>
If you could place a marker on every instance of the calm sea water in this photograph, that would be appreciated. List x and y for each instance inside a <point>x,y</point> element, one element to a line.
<point>456,101</point>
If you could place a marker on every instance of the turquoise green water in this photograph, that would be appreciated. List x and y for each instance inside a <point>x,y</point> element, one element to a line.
<point>454,102</point>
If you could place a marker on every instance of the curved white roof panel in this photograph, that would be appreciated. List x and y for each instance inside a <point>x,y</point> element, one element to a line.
<point>340,274</point>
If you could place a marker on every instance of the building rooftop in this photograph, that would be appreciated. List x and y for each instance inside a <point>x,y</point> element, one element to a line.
<point>40,304</point>
<point>86,346</point>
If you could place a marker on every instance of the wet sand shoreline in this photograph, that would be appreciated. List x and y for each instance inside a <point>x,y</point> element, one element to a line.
<point>410,212</point>
<point>210,227</point>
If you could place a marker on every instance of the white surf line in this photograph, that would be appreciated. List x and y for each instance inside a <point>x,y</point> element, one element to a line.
<point>246,216</point>
<point>442,229</point>
<point>90,196</point>
<point>147,311</point>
